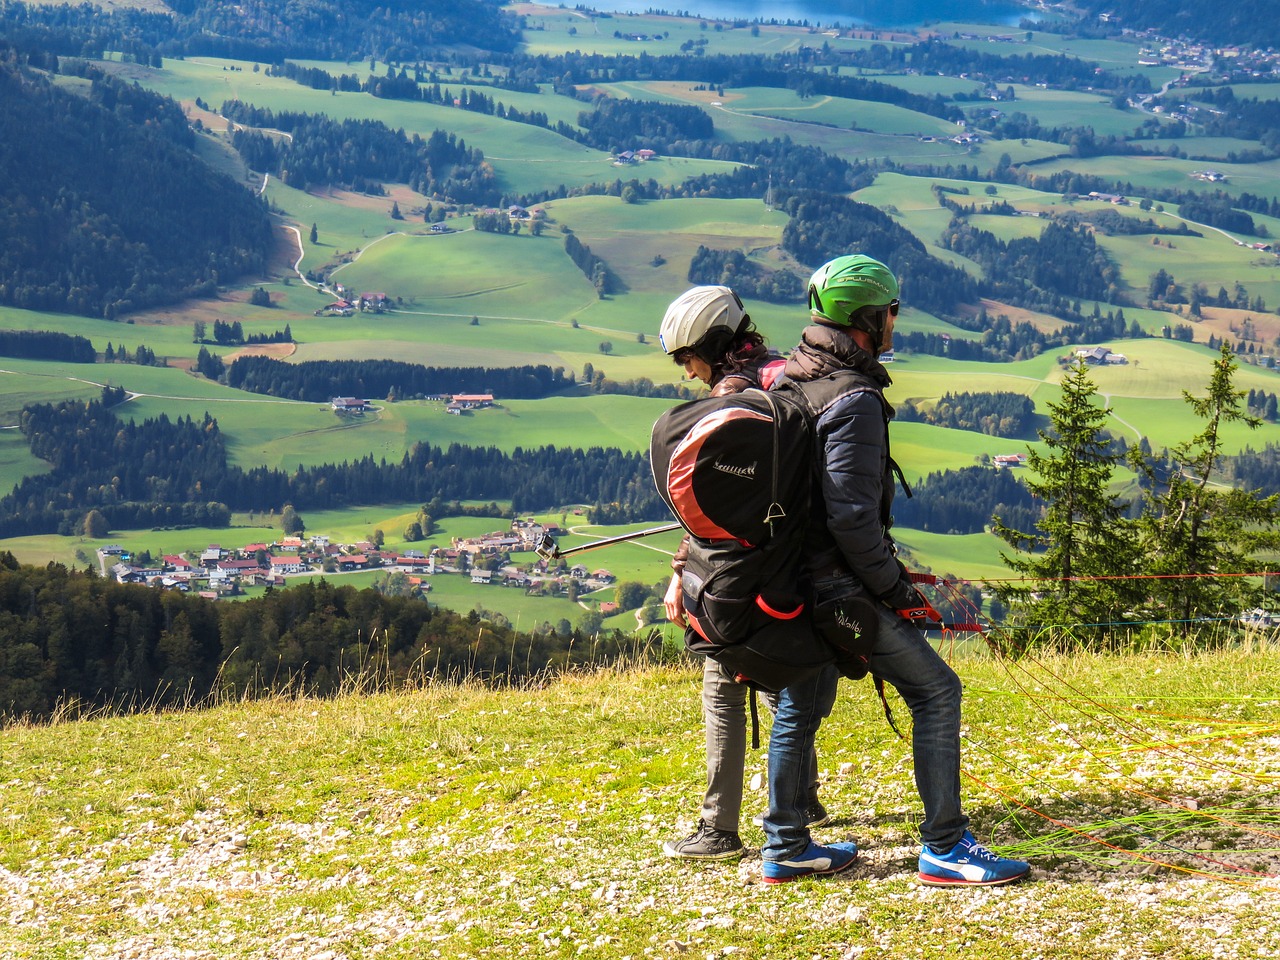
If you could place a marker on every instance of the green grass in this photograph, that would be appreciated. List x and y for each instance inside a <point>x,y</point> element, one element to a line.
<point>490,824</point>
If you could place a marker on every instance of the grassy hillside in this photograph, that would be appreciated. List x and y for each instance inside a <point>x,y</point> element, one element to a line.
<point>454,821</point>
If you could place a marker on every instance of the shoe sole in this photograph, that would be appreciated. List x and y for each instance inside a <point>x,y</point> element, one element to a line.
<point>812,873</point>
<point>703,857</point>
<point>931,881</point>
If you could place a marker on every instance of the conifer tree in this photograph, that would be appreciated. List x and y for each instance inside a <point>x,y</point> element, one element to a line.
<point>1199,533</point>
<point>1082,532</point>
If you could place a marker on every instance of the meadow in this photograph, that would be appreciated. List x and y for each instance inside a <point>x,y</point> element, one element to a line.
<point>457,821</point>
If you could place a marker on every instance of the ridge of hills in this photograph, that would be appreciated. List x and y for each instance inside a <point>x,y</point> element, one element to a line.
<point>92,190</point>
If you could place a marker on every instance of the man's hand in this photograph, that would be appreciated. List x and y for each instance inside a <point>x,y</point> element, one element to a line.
<point>903,595</point>
<point>674,602</point>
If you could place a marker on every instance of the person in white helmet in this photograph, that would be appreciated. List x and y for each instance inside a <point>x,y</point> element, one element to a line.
<point>708,332</point>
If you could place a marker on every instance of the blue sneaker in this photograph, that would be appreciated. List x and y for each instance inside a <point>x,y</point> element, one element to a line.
<point>969,864</point>
<point>815,861</point>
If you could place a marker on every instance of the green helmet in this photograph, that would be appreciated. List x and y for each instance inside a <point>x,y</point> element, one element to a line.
<point>842,289</point>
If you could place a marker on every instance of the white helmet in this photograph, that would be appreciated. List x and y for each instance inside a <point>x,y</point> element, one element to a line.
<point>704,319</point>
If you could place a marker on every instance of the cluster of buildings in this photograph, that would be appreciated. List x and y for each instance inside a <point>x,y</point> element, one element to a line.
<point>634,156</point>
<point>219,571</point>
<point>346,306</point>
<point>1099,356</point>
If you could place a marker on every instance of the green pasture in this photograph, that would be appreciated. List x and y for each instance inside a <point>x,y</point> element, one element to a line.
<point>971,556</point>
<point>647,560</point>
<point>1243,91</point>
<point>1215,149</point>
<point>1137,173</point>
<point>921,449</point>
<point>455,591</point>
<point>472,273</point>
<point>836,112</point>
<point>633,237</point>
<point>149,330</point>
<point>24,382</point>
<point>989,153</point>
<point>1071,108</point>
<point>925,86</point>
<point>16,460</point>
<point>1111,54</point>
<point>1214,260</point>
<point>514,148</point>
<point>285,436</point>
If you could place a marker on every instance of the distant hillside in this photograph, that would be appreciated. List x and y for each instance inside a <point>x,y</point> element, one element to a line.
<point>262,29</point>
<point>104,209</point>
<point>1246,22</point>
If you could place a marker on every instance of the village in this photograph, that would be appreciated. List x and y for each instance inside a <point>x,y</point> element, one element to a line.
<point>489,559</point>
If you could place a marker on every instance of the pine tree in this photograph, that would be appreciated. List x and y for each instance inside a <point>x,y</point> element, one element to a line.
<point>1198,533</point>
<point>1082,533</point>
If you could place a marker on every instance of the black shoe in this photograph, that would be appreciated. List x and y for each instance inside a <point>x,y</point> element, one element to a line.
<point>705,843</point>
<point>815,815</point>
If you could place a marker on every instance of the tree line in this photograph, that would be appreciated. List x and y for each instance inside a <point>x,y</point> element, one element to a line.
<point>72,637</point>
<point>46,345</point>
<point>996,414</point>
<point>593,267</point>
<point>319,381</point>
<point>96,188</point>
<point>359,154</point>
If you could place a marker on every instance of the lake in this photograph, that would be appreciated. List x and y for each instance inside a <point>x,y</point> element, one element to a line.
<point>873,13</point>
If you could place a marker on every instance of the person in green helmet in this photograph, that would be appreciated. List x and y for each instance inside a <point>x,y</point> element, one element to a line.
<point>853,570</point>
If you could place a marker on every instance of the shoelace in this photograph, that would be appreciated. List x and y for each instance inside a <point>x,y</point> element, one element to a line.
<point>979,852</point>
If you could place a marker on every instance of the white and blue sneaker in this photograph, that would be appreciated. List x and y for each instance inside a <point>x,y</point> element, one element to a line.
<point>969,864</point>
<point>816,860</point>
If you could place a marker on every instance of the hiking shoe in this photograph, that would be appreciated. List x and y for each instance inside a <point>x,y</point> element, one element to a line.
<point>815,861</point>
<point>815,815</point>
<point>969,864</point>
<point>705,843</point>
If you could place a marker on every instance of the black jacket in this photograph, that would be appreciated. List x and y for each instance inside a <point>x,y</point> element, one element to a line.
<point>844,386</point>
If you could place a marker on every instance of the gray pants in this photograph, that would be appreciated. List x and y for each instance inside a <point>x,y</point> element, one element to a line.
<point>724,712</point>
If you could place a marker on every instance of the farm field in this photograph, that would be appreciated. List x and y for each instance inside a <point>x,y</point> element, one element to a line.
<point>466,298</point>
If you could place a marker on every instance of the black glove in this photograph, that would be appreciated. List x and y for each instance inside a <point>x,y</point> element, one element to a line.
<point>903,595</point>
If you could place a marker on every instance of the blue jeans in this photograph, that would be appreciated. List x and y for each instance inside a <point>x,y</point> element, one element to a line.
<point>931,689</point>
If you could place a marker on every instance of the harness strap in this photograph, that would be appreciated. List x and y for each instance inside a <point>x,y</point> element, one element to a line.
<point>888,712</point>
<point>755,721</point>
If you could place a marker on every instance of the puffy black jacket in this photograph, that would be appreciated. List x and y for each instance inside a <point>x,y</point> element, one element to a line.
<point>844,385</point>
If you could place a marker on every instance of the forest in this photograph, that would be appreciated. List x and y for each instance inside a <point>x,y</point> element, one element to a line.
<point>71,636</point>
<point>1045,272</point>
<point>359,154</point>
<point>1000,414</point>
<point>1246,22</point>
<point>46,345</point>
<point>319,381</point>
<point>751,281</point>
<point>90,194</point>
<point>263,30</point>
<point>964,501</point>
